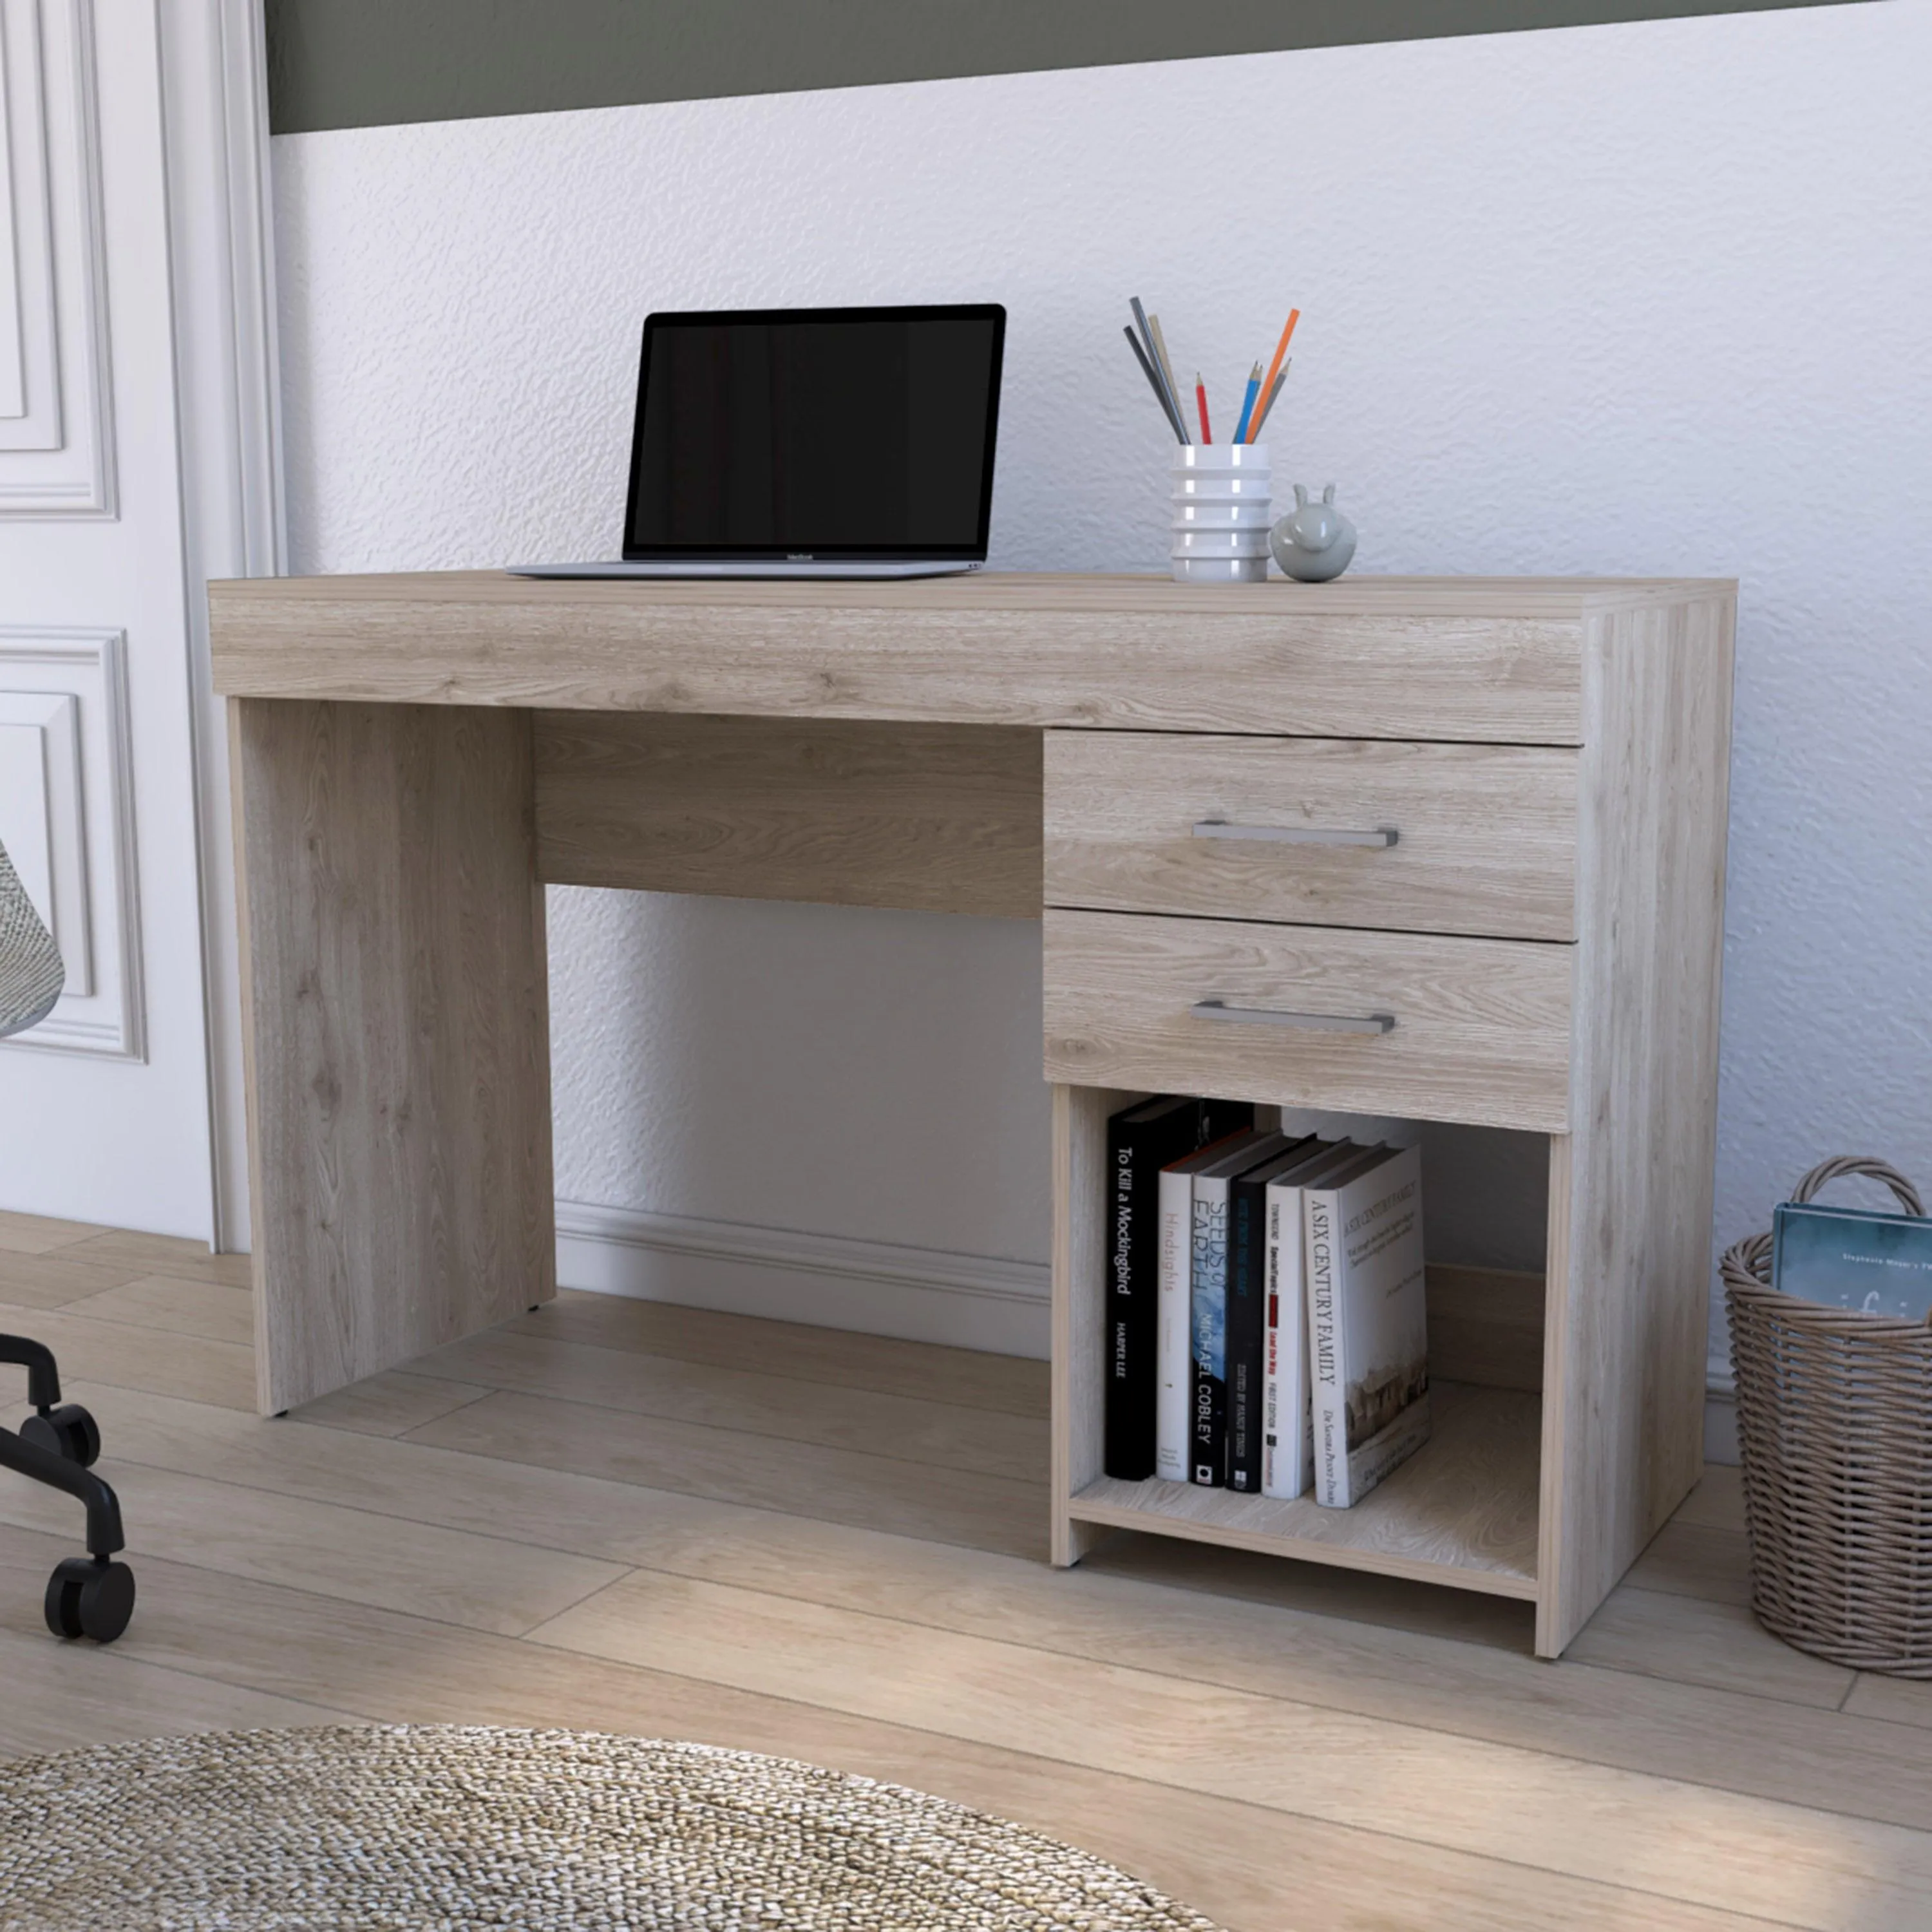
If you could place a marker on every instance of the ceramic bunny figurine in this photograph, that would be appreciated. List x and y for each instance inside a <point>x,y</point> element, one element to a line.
<point>1315,541</point>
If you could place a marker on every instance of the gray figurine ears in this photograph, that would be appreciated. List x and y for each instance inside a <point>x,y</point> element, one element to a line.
<point>1301,496</point>
<point>1328,495</point>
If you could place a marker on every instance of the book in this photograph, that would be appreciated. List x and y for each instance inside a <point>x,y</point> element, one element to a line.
<point>1879,1263</point>
<point>1173,1259</point>
<point>1141,1140</point>
<point>1368,1322</point>
<point>1207,1295</point>
<point>1246,1319</point>
<point>1287,1438</point>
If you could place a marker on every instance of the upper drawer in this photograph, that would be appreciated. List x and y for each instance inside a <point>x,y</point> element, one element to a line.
<point>1436,1028</point>
<point>1484,835</point>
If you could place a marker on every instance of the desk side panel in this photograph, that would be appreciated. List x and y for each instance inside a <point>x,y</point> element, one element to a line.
<point>935,817</point>
<point>398,1018</point>
<point>1630,1185</point>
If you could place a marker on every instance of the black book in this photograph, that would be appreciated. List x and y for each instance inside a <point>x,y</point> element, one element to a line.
<point>1141,1141</point>
<point>1246,1342</point>
<point>1213,1188</point>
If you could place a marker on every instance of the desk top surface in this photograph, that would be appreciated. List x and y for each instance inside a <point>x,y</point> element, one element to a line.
<point>1035,648</point>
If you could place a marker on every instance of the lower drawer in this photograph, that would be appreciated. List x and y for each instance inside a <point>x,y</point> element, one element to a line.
<point>1425,1026</point>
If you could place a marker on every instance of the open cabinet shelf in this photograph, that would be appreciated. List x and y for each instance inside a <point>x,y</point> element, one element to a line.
<point>1461,1510</point>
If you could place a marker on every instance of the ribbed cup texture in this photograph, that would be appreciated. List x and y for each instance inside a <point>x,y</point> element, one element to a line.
<point>1221,513</point>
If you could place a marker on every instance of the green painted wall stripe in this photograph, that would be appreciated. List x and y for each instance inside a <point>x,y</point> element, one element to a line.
<point>373,63</point>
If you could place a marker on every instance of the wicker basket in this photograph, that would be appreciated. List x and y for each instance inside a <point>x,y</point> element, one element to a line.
<point>1835,1427</point>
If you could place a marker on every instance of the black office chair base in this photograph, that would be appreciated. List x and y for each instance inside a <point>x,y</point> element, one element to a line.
<point>67,1431</point>
<point>90,1596</point>
<point>93,1595</point>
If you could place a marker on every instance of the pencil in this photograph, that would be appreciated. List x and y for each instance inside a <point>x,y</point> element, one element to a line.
<point>1153,383</point>
<point>1255,427</point>
<point>1160,359</point>
<point>1161,383</point>
<point>1280,350</point>
<point>1200,403</point>
<point>1248,403</point>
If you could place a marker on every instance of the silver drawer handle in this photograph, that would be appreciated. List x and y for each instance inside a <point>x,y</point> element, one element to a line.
<point>1383,835</point>
<point>1219,1009</point>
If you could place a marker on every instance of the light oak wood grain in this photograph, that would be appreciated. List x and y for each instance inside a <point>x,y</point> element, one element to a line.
<point>51,1280</point>
<point>840,1485</point>
<point>1693,1559</point>
<point>456,1577</point>
<point>38,1235</point>
<point>1445,658</point>
<point>1486,834</point>
<point>1894,1700</point>
<point>1585,1820</point>
<point>1245,1865</point>
<point>160,1254</point>
<point>129,1356</point>
<point>203,1308</point>
<point>398,1033</point>
<point>967,1377</point>
<point>1481,1034</point>
<point>1693,1640</point>
<point>1718,1500</point>
<point>390,1404</point>
<point>913,1429</point>
<point>1485,1326</point>
<point>1462,1510</point>
<point>1629,1298</point>
<point>934,818</point>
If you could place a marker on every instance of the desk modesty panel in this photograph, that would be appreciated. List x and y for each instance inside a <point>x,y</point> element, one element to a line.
<point>1451,849</point>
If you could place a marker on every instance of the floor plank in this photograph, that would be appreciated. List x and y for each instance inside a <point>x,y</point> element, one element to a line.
<point>54,1280</point>
<point>1586,1821</point>
<point>126,1357</point>
<point>913,1429</point>
<point>879,1364</point>
<point>36,1234</point>
<point>388,1405</point>
<point>205,1309</point>
<point>609,1522</point>
<point>456,1577</point>
<point>165,1254</point>
<point>1250,1869</point>
<point>960,1506</point>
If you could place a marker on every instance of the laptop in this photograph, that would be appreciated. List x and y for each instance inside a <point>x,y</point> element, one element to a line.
<point>810,443</point>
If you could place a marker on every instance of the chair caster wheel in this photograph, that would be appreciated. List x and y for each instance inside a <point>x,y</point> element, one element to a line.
<point>68,1431</point>
<point>89,1596</point>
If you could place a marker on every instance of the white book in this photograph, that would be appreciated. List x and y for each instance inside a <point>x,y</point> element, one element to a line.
<point>1368,1322</point>
<point>1174,1335</point>
<point>1287,1421</point>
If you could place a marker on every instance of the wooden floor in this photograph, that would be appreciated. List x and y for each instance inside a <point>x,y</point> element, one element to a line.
<point>654,1521</point>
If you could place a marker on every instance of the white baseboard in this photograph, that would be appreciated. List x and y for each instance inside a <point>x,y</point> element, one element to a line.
<point>830,1281</point>
<point>1720,1411</point>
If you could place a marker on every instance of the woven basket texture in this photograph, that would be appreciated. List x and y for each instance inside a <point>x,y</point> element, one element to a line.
<point>450,1828</point>
<point>1834,1431</point>
<point>31,972</point>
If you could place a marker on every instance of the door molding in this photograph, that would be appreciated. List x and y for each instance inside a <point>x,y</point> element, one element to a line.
<point>227,379</point>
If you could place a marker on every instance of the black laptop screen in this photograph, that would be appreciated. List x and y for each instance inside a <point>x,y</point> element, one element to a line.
<point>852,432</point>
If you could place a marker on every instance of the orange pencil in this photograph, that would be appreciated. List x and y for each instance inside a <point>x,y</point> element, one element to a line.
<point>1274,367</point>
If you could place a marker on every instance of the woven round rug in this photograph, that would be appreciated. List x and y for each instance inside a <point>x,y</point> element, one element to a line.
<point>433,1828</point>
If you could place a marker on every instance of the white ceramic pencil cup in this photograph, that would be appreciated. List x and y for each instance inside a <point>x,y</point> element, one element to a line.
<point>1221,513</point>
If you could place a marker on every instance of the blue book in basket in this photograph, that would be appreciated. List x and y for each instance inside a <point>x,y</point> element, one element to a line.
<point>1853,1257</point>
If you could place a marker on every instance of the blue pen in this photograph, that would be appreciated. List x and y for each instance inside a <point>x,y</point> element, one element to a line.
<point>1248,404</point>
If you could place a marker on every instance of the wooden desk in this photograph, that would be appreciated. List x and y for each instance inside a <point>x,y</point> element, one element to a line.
<point>415,757</point>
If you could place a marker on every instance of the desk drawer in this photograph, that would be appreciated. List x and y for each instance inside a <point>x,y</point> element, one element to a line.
<point>1480,1028</point>
<point>1485,835</point>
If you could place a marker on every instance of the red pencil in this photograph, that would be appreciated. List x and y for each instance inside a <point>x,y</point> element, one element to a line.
<point>1201,399</point>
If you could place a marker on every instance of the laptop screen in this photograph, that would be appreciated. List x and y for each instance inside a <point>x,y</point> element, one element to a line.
<point>798,433</point>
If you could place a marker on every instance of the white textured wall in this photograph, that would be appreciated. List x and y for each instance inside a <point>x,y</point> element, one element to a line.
<point>1648,297</point>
